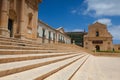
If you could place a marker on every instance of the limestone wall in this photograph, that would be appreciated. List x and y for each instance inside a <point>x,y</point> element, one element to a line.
<point>117,47</point>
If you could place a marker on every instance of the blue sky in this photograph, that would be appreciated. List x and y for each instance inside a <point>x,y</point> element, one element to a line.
<point>76,15</point>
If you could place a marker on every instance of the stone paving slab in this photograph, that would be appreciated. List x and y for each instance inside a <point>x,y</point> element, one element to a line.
<point>109,66</point>
<point>99,68</point>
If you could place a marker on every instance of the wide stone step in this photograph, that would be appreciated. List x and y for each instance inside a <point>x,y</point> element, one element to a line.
<point>42,71</point>
<point>22,57</point>
<point>24,47</point>
<point>18,41</point>
<point>14,67</point>
<point>68,72</point>
<point>18,44</point>
<point>32,54</point>
<point>18,51</point>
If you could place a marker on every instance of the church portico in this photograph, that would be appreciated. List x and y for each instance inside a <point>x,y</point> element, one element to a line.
<point>18,18</point>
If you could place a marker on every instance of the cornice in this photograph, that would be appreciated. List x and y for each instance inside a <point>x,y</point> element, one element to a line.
<point>33,3</point>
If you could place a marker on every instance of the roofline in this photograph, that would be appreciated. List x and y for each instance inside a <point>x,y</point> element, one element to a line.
<point>46,24</point>
<point>53,28</point>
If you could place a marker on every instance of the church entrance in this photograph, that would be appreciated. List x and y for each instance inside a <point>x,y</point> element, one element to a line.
<point>97,48</point>
<point>10,27</point>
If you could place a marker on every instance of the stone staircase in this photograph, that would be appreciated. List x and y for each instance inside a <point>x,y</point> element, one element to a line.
<point>12,43</point>
<point>40,61</point>
<point>41,66</point>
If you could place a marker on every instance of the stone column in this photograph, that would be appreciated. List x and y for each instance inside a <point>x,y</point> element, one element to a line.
<point>4,19</point>
<point>21,32</point>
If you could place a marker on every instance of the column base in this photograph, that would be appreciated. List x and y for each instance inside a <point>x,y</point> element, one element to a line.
<point>4,32</point>
<point>23,37</point>
<point>19,36</point>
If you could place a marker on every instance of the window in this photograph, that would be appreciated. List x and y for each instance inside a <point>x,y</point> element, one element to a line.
<point>49,35</point>
<point>97,33</point>
<point>37,34</point>
<point>43,34</point>
<point>53,36</point>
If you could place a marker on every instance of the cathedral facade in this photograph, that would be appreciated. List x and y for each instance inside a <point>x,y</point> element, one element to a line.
<point>19,20</point>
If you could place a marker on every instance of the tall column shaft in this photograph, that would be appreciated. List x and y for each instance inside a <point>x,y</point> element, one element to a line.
<point>22,17</point>
<point>21,32</point>
<point>4,19</point>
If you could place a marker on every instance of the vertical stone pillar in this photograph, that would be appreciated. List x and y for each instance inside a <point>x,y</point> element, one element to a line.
<point>21,32</point>
<point>4,19</point>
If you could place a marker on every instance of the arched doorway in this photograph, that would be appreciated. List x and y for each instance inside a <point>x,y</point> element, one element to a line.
<point>97,48</point>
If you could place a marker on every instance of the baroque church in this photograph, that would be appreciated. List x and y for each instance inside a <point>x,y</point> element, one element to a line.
<point>98,38</point>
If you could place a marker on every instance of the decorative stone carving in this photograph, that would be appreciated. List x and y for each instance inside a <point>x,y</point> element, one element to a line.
<point>12,14</point>
<point>11,4</point>
<point>30,15</point>
<point>33,4</point>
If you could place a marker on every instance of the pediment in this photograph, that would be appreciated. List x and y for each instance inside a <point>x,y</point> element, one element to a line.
<point>61,29</point>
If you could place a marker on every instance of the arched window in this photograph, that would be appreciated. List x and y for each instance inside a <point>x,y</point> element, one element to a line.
<point>97,33</point>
